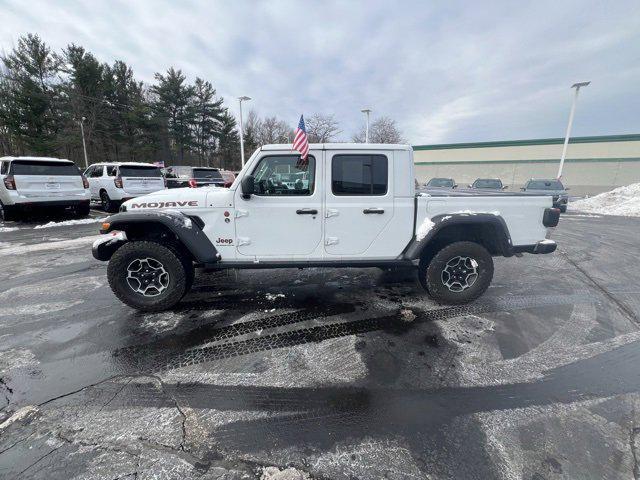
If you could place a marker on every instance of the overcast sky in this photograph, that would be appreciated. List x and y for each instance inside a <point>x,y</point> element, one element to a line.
<point>446,71</point>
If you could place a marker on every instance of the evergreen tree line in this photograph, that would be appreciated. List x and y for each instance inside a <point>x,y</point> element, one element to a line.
<point>45,95</point>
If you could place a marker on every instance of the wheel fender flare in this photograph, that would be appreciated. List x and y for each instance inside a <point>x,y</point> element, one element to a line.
<point>414,249</point>
<point>188,232</point>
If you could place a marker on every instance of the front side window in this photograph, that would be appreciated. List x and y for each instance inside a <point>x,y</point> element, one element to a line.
<point>112,170</point>
<point>359,175</point>
<point>285,175</point>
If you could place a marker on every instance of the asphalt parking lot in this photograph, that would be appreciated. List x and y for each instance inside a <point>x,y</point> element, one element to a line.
<point>322,373</point>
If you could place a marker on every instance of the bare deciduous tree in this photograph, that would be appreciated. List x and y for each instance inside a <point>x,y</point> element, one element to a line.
<point>322,128</point>
<point>273,130</point>
<point>381,130</point>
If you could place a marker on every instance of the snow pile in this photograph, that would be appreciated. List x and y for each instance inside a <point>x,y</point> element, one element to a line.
<point>70,222</point>
<point>623,201</point>
<point>274,473</point>
<point>424,228</point>
<point>8,229</point>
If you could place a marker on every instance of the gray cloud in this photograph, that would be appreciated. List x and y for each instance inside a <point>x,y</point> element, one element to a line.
<point>447,72</point>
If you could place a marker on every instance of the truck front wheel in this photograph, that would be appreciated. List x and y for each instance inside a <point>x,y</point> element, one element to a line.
<point>148,276</point>
<point>459,273</point>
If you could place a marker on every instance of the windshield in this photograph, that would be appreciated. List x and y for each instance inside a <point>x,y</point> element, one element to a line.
<point>440,182</point>
<point>206,174</point>
<point>487,183</point>
<point>544,185</point>
<point>27,167</point>
<point>140,171</point>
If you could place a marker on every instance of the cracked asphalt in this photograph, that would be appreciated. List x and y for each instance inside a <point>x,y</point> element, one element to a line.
<point>345,374</point>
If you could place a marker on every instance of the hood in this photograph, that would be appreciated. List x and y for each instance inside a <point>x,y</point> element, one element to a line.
<point>181,199</point>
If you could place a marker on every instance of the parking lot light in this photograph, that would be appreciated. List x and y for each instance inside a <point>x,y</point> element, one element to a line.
<point>566,137</point>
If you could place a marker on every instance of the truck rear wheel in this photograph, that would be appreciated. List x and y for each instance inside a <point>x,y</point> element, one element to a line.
<point>458,273</point>
<point>148,276</point>
<point>108,205</point>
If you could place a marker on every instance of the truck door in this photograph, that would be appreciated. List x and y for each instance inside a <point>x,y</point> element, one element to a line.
<point>283,219</point>
<point>359,203</point>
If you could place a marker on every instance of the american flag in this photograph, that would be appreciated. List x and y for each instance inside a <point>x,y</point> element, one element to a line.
<point>301,142</point>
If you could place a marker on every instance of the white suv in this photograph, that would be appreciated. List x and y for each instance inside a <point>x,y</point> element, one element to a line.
<point>30,182</point>
<point>113,183</point>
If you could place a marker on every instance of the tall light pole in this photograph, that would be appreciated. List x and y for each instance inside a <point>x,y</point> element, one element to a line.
<point>577,86</point>
<point>84,145</point>
<point>366,111</point>
<point>240,100</point>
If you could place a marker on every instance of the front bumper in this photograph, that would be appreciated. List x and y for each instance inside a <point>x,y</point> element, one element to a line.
<point>104,247</point>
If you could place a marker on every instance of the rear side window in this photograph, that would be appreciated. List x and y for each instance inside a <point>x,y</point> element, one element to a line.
<point>134,171</point>
<point>112,170</point>
<point>205,173</point>
<point>27,167</point>
<point>359,174</point>
<point>4,168</point>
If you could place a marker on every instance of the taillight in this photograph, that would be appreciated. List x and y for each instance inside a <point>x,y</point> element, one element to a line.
<point>118,182</point>
<point>9,182</point>
<point>193,183</point>
<point>85,182</point>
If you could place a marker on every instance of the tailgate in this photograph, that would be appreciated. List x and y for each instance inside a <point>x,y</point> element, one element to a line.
<point>142,185</point>
<point>43,186</point>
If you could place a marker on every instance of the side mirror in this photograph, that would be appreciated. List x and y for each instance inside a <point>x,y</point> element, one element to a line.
<point>522,189</point>
<point>248,186</point>
<point>469,186</point>
<point>504,187</point>
<point>567,189</point>
<point>455,185</point>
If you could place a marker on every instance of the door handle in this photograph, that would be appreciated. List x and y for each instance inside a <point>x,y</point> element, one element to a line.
<point>368,211</point>
<point>307,211</point>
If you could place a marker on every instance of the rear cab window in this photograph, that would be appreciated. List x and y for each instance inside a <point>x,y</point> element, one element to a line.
<point>359,175</point>
<point>207,174</point>
<point>32,167</point>
<point>140,171</point>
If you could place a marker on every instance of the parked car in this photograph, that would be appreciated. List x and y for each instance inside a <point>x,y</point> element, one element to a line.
<point>549,187</point>
<point>114,183</point>
<point>185,176</point>
<point>358,208</point>
<point>228,177</point>
<point>488,184</point>
<point>440,183</point>
<point>52,183</point>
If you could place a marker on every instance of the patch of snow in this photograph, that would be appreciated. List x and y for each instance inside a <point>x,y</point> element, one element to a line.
<point>8,229</point>
<point>424,229</point>
<point>472,212</point>
<point>623,201</point>
<point>48,245</point>
<point>274,296</point>
<point>547,241</point>
<point>19,415</point>
<point>66,223</point>
<point>274,473</point>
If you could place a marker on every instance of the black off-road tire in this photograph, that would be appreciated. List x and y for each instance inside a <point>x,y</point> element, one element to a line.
<point>171,261</point>
<point>82,210</point>
<point>8,213</point>
<point>431,274</point>
<point>108,205</point>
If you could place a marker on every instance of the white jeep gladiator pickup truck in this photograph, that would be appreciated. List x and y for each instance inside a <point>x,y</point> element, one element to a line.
<point>347,205</point>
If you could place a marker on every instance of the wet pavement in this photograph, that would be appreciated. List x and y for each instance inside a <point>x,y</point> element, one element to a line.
<point>322,373</point>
